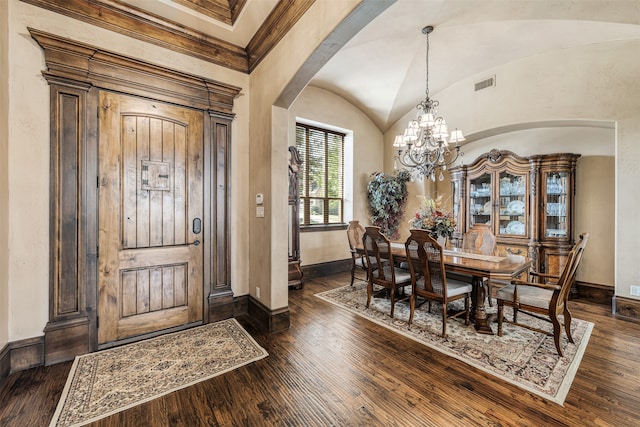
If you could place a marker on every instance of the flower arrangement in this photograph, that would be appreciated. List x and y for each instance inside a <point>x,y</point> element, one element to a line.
<point>387,196</point>
<point>431,216</point>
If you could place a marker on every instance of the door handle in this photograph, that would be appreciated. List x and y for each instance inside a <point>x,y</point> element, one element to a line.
<point>197,226</point>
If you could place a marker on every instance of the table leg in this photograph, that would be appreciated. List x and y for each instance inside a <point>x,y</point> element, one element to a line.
<point>478,310</point>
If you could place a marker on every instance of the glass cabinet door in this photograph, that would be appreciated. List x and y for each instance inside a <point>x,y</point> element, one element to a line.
<point>555,204</point>
<point>480,204</point>
<point>513,204</point>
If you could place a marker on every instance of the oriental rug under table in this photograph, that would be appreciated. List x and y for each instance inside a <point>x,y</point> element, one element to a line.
<point>520,356</point>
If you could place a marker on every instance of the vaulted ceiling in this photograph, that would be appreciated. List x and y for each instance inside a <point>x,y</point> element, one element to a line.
<point>381,69</point>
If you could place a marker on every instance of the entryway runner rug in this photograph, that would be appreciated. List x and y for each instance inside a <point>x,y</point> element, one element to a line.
<point>522,357</point>
<point>106,382</point>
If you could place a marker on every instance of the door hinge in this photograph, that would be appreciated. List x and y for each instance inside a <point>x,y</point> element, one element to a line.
<point>97,321</point>
<point>98,111</point>
<point>97,252</point>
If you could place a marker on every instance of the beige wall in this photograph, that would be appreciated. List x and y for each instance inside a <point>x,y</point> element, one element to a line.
<point>4,173</point>
<point>559,88</point>
<point>26,203</point>
<point>326,108</point>
<point>269,141</point>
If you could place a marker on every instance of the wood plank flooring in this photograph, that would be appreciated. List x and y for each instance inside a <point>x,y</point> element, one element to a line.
<point>333,368</point>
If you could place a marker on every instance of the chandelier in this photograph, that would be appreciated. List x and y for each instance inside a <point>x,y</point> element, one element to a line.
<point>423,148</point>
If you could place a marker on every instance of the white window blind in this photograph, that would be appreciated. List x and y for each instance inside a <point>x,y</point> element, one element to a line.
<point>321,175</point>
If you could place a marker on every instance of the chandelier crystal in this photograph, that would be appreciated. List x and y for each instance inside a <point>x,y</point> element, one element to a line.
<point>423,149</point>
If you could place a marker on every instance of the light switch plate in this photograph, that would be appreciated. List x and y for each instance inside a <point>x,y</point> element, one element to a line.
<point>259,211</point>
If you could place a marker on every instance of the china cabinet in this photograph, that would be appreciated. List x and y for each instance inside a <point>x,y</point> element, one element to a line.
<point>527,202</point>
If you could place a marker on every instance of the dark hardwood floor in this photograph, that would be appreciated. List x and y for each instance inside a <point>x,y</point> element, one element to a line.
<point>333,368</point>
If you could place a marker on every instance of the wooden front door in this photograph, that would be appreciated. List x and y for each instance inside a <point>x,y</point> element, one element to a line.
<point>150,265</point>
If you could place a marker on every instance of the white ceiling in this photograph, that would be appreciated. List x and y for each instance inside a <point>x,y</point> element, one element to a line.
<point>251,17</point>
<point>381,69</point>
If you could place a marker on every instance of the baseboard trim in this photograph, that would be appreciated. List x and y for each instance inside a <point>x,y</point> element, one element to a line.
<point>20,355</point>
<point>626,309</point>
<point>266,319</point>
<point>325,268</point>
<point>5,364</point>
<point>30,353</point>
<point>64,340</point>
<point>593,292</point>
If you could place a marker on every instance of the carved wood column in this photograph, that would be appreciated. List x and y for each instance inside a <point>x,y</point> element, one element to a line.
<point>220,296</point>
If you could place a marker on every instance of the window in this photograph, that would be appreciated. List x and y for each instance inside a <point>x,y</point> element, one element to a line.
<point>321,175</point>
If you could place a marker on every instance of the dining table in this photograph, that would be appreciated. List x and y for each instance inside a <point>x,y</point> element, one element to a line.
<point>477,267</point>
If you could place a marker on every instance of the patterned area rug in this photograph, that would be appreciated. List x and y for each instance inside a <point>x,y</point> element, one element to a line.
<point>522,357</point>
<point>104,383</point>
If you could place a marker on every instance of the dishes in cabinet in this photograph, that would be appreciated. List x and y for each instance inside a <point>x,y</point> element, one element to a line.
<point>516,207</point>
<point>556,209</point>
<point>511,187</point>
<point>486,209</point>
<point>515,227</point>
<point>556,233</point>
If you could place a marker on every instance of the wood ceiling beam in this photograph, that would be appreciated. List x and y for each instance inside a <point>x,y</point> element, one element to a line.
<point>136,23</point>
<point>141,25</point>
<point>226,11</point>
<point>281,19</point>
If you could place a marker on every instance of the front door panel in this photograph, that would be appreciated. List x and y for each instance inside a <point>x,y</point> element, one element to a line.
<point>150,194</point>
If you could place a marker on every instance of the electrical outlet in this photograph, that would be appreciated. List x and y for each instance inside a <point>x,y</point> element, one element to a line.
<point>635,291</point>
<point>257,292</point>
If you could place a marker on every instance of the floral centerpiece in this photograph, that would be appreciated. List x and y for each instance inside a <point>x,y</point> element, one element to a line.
<point>432,217</point>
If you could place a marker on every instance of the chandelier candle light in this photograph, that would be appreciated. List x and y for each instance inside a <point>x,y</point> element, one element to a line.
<point>423,148</point>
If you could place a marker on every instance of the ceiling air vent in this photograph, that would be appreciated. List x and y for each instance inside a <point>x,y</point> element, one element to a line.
<point>491,81</point>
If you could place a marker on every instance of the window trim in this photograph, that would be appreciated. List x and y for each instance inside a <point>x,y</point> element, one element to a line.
<point>305,200</point>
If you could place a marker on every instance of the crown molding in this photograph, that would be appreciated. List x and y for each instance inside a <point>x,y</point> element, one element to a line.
<point>138,24</point>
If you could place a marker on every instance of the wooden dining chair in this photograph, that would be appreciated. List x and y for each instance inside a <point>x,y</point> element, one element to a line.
<point>355,232</point>
<point>546,301</point>
<point>479,239</point>
<point>394,279</point>
<point>428,278</point>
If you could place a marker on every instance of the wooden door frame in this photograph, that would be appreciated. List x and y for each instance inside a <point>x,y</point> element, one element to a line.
<point>76,73</point>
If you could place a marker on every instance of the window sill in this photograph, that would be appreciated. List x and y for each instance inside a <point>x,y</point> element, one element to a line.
<point>322,227</point>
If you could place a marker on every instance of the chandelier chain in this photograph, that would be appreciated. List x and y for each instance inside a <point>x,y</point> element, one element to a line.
<point>427,67</point>
<point>423,148</point>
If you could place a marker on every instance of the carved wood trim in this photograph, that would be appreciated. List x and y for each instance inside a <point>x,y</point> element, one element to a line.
<point>76,74</point>
<point>133,22</point>
<point>71,61</point>
<point>138,24</point>
<point>220,193</point>
<point>66,218</point>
